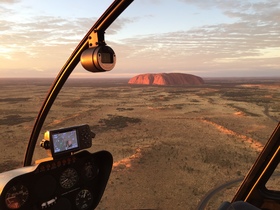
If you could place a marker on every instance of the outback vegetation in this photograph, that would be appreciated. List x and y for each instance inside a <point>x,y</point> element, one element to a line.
<point>171,144</point>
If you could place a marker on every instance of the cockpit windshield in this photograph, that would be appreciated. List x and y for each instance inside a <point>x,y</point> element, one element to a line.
<point>189,105</point>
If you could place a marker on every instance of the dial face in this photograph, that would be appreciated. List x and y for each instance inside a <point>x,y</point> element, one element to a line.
<point>16,196</point>
<point>69,178</point>
<point>84,199</point>
<point>90,171</point>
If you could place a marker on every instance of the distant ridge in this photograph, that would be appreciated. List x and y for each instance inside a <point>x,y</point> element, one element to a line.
<point>171,79</point>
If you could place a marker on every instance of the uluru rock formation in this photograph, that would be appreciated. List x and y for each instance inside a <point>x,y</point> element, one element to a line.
<point>166,79</point>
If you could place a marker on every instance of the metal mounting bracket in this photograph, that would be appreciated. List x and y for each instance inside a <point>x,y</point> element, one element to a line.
<point>96,38</point>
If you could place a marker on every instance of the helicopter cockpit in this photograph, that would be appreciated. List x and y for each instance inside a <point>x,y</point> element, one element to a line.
<point>73,178</point>
<point>65,180</point>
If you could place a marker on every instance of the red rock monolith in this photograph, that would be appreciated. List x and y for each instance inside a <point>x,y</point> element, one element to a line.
<point>166,79</point>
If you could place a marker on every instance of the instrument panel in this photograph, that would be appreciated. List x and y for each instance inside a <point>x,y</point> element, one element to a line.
<point>75,182</point>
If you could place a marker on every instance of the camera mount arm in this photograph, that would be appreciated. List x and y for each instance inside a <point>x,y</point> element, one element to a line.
<point>108,17</point>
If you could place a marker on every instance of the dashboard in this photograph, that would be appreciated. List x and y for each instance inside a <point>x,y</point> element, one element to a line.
<point>72,182</point>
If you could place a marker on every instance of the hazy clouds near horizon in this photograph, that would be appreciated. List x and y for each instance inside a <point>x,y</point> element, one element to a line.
<point>241,38</point>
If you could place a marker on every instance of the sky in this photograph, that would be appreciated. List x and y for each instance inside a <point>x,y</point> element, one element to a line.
<point>207,38</point>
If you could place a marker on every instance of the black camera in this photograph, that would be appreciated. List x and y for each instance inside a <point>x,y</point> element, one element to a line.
<point>98,59</point>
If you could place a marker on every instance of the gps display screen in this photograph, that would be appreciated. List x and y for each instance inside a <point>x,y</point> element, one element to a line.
<point>65,141</point>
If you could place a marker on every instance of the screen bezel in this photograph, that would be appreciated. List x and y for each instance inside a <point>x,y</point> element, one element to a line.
<point>67,151</point>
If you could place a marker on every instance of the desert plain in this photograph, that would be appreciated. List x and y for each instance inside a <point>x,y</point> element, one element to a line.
<point>171,144</point>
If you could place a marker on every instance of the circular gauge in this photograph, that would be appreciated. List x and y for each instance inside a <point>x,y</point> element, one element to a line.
<point>84,199</point>
<point>68,178</point>
<point>90,171</point>
<point>16,196</point>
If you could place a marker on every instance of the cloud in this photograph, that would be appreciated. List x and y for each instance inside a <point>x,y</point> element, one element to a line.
<point>9,1</point>
<point>29,36</point>
<point>5,25</point>
<point>251,40</point>
<point>223,47</point>
<point>119,24</point>
<point>222,4</point>
<point>151,1</point>
<point>236,39</point>
<point>245,10</point>
<point>43,38</point>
